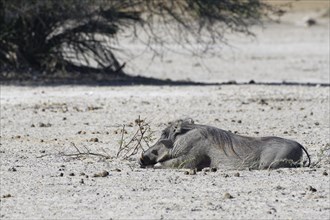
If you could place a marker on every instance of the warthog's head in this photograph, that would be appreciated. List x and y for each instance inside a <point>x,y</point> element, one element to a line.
<point>161,150</point>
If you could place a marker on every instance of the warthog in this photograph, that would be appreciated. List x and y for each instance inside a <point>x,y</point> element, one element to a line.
<point>184,144</point>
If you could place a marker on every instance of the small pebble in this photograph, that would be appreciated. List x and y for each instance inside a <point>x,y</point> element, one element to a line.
<point>325,173</point>
<point>7,196</point>
<point>12,169</point>
<point>310,22</point>
<point>279,187</point>
<point>42,125</point>
<point>312,189</point>
<point>190,172</point>
<point>228,196</point>
<point>94,140</point>
<point>193,172</point>
<point>102,174</point>
<point>214,169</point>
<point>207,169</point>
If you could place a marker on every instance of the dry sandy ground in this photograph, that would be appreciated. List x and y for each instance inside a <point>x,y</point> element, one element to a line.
<point>38,125</point>
<point>31,161</point>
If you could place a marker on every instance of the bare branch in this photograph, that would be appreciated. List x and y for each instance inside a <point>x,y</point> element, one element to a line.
<point>138,141</point>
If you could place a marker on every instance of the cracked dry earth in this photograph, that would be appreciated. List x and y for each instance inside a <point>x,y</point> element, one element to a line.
<point>39,125</point>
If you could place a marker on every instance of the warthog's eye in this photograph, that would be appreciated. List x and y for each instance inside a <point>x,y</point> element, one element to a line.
<point>164,134</point>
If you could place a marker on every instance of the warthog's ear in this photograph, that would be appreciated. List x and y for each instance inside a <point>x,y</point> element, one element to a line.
<point>179,125</point>
<point>188,121</point>
<point>177,128</point>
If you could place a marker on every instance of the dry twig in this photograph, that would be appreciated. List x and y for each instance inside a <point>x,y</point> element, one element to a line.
<point>87,152</point>
<point>141,137</point>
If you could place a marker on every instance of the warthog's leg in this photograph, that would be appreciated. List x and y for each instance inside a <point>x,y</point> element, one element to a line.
<point>187,162</point>
<point>179,162</point>
<point>280,156</point>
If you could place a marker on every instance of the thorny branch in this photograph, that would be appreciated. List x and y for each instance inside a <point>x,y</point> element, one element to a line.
<point>141,137</point>
<point>139,141</point>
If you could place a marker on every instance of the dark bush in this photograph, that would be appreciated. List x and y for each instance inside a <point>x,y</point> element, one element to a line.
<point>78,35</point>
<point>48,35</point>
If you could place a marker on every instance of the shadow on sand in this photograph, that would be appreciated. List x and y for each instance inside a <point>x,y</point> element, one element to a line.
<point>127,80</point>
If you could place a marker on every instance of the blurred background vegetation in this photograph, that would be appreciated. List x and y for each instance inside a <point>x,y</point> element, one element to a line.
<point>62,38</point>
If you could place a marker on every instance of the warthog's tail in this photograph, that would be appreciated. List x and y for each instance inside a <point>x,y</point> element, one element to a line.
<point>309,158</point>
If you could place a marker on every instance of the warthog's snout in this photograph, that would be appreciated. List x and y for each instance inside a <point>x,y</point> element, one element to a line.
<point>156,154</point>
<point>144,161</point>
<point>147,159</point>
